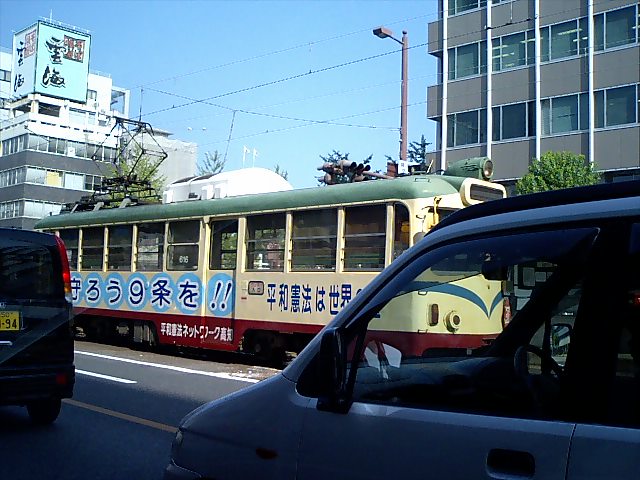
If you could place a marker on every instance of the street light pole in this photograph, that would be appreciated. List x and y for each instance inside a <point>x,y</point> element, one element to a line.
<point>405,95</point>
<point>383,32</point>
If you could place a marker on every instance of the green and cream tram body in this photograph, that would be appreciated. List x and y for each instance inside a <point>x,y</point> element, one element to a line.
<point>263,273</point>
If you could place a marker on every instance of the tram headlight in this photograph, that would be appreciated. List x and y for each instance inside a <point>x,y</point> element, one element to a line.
<point>487,170</point>
<point>452,321</point>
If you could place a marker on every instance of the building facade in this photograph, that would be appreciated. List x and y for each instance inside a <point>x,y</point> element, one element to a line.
<point>519,78</point>
<point>56,147</point>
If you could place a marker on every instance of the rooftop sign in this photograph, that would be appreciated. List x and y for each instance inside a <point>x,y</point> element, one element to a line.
<point>51,60</point>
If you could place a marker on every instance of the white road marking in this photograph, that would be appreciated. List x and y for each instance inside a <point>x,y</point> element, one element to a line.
<point>226,376</point>
<point>106,377</point>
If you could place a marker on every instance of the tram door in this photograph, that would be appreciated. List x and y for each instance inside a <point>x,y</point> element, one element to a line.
<point>221,282</point>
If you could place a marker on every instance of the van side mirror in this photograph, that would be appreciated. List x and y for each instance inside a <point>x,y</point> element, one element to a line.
<point>494,271</point>
<point>560,338</point>
<point>332,372</point>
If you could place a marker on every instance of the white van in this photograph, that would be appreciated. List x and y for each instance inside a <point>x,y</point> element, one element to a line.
<point>555,395</point>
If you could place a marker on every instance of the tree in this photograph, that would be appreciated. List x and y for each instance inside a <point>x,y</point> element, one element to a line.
<point>555,170</point>
<point>418,153</point>
<point>135,174</point>
<point>212,163</point>
<point>281,171</point>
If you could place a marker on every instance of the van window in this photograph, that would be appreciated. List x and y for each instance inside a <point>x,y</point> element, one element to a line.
<point>27,270</point>
<point>431,344</point>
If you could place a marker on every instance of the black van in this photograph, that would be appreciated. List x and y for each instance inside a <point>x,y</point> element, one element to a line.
<point>36,341</point>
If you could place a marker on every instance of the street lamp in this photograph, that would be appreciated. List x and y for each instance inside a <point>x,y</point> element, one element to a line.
<point>383,32</point>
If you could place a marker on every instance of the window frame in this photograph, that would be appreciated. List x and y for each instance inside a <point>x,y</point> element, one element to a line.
<point>266,252</point>
<point>186,248</point>
<point>353,240</point>
<point>304,237</point>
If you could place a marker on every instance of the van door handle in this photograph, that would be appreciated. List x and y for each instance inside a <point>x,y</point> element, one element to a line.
<point>5,343</point>
<point>501,462</point>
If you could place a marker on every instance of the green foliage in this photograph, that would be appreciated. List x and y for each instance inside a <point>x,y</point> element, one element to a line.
<point>418,153</point>
<point>281,171</point>
<point>212,163</point>
<point>139,166</point>
<point>555,170</point>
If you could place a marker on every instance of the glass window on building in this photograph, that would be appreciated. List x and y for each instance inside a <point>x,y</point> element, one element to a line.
<point>514,121</point>
<point>364,237</point>
<point>91,254</point>
<point>620,27</point>
<point>466,128</point>
<point>460,6</point>
<point>92,182</point>
<point>616,27</point>
<point>510,51</point>
<point>265,242</point>
<point>150,247</point>
<point>615,106</point>
<point>564,114</point>
<point>183,245</point>
<point>119,251</point>
<point>467,60</point>
<point>74,181</point>
<point>314,238</point>
<point>564,40</point>
<point>5,75</point>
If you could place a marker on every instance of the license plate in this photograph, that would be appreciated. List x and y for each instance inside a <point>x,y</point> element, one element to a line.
<point>9,321</point>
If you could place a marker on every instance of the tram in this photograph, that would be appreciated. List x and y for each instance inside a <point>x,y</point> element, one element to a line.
<point>264,272</point>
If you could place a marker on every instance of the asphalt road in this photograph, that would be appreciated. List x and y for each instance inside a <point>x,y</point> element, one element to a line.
<point>120,422</point>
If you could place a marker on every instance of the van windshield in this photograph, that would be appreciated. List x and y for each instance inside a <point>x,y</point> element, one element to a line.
<point>27,270</point>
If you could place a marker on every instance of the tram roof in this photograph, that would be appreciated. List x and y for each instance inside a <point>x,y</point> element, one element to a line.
<point>402,188</point>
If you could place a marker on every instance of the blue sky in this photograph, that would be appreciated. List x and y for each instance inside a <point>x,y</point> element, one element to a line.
<point>282,66</point>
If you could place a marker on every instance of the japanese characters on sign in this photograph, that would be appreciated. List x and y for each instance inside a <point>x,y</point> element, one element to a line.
<point>24,62</point>
<point>186,294</point>
<point>51,60</point>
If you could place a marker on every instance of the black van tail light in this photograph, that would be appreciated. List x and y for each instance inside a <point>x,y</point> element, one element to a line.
<point>506,312</point>
<point>66,272</point>
<point>62,379</point>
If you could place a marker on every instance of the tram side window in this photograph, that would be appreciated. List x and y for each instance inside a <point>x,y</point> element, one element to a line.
<point>401,229</point>
<point>92,248</point>
<point>364,239</point>
<point>265,242</point>
<point>224,245</point>
<point>150,247</point>
<point>314,239</point>
<point>184,238</point>
<point>119,252</point>
<point>70,239</point>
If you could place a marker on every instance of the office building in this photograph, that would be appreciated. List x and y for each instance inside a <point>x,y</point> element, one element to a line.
<point>59,129</point>
<point>519,78</point>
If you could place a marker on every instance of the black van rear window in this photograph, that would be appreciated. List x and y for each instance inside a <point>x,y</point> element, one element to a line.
<point>27,271</point>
